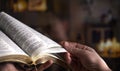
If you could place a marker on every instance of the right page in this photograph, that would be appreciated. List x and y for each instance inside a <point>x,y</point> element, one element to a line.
<point>32,42</point>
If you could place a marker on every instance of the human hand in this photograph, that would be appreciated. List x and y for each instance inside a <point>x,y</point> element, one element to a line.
<point>44,66</point>
<point>7,67</point>
<point>83,58</point>
<point>20,67</point>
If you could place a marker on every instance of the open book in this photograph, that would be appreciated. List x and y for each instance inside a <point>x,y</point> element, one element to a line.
<point>21,43</point>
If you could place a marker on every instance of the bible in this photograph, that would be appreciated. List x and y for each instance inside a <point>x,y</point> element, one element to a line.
<point>21,43</point>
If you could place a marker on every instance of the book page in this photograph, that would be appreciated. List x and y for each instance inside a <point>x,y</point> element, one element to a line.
<point>51,47</point>
<point>8,47</point>
<point>28,39</point>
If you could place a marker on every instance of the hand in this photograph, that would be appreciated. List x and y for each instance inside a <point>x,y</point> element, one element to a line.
<point>20,67</point>
<point>7,67</point>
<point>83,58</point>
<point>44,66</point>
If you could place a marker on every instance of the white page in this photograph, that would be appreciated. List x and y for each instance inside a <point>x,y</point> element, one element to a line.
<point>28,39</point>
<point>8,47</point>
<point>52,47</point>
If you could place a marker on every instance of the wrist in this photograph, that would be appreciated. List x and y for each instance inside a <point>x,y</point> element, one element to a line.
<point>102,66</point>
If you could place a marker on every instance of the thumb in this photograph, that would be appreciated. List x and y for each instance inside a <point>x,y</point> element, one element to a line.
<point>45,65</point>
<point>72,48</point>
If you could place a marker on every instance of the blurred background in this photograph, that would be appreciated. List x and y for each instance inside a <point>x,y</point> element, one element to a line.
<point>94,23</point>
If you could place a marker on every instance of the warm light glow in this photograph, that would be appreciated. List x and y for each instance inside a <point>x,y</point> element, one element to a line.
<point>20,6</point>
<point>109,48</point>
<point>101,46</point>
<point>108,43</point>
<point>15,7</point>
<point>37,5</point>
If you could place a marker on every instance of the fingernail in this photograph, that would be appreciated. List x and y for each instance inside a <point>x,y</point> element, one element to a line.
<point>50,61</point>
<point>66,44</point>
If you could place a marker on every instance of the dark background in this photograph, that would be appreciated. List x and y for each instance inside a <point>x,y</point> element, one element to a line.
<point>84,21</point>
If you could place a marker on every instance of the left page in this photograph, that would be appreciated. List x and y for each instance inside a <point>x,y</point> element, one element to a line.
<point>9,51</point>
<point>34,44</point>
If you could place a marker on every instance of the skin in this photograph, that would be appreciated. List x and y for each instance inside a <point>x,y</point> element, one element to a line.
<point>14,67</point>
<point>83,58</point>
<point>79,57</point>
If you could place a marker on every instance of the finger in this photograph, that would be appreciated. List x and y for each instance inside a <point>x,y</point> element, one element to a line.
<point>8,67</point>
<point>45,65</point>
<point>73,48</point>
<point>84,47</point>
<point>69,46</point>
<point>67,58</point>
<point>66,44</point>
<point>74,51</point>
